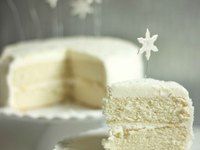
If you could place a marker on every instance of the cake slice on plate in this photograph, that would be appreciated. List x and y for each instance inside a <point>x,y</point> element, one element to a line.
<point>148,114</point>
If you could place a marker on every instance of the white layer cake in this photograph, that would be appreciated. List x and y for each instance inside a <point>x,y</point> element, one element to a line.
<point>43,72</point>
<point>148,114</point>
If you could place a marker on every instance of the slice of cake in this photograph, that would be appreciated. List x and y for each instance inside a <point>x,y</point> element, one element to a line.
<point>43,72</point>
<point>148,114</point>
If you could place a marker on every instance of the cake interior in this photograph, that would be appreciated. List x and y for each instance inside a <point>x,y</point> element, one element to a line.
<point>75,76</point>
<point>161,122</point>
<point>155,110</point>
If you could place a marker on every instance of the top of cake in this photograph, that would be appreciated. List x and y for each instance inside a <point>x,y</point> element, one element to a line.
<point>98,46</point>
<point>147,88</point>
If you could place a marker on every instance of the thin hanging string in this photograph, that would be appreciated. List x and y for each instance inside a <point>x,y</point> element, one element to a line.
<point>17,19</point>
<point>83,26</point>
<point>35,18</point>
<point>55,25</point>
<point>60,27</point>
<point>97,19</point>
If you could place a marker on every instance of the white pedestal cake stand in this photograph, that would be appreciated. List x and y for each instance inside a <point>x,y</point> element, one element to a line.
<point>42,129</point>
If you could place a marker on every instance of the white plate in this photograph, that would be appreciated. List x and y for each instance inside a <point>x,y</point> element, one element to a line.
<point>92,141</point>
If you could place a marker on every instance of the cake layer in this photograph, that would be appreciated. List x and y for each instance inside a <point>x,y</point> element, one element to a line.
<point>43,94</point>
<point>161,138</point>
<point>53,91</point>
<point>147,101</point>
<point>153,110</point>
<point>39,72</point>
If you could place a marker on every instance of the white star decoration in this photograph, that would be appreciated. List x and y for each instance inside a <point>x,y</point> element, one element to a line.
<point>148,44</point>
<point>81,8</point>
<point>52,3</point>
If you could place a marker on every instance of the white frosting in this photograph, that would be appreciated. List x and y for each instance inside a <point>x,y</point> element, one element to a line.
<point>147,88</point>
<point>98,46</point>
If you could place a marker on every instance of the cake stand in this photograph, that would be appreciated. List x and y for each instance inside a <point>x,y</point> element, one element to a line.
<point>41,129</point>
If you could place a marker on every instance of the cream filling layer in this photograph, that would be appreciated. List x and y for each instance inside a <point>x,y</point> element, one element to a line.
<point>46,84</point>
<point>70,82</point>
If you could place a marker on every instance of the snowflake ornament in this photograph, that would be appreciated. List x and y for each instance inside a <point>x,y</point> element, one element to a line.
<point>52,3</point>
<point>95,1</point>
<point>81,8</point>
<point>148,44</point>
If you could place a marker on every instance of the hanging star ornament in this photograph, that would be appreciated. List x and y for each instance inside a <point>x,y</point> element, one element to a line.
<point>81,8</point>
<point>52,3</point>
<point>148,44</point>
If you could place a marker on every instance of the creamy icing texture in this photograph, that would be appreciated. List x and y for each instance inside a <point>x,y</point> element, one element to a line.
<point>98,46</point>
<point>147,88</point>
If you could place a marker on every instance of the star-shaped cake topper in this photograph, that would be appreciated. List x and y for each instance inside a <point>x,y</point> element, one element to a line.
<point>52,3</point>
<point>81,8</point>
<point>148,44</point>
